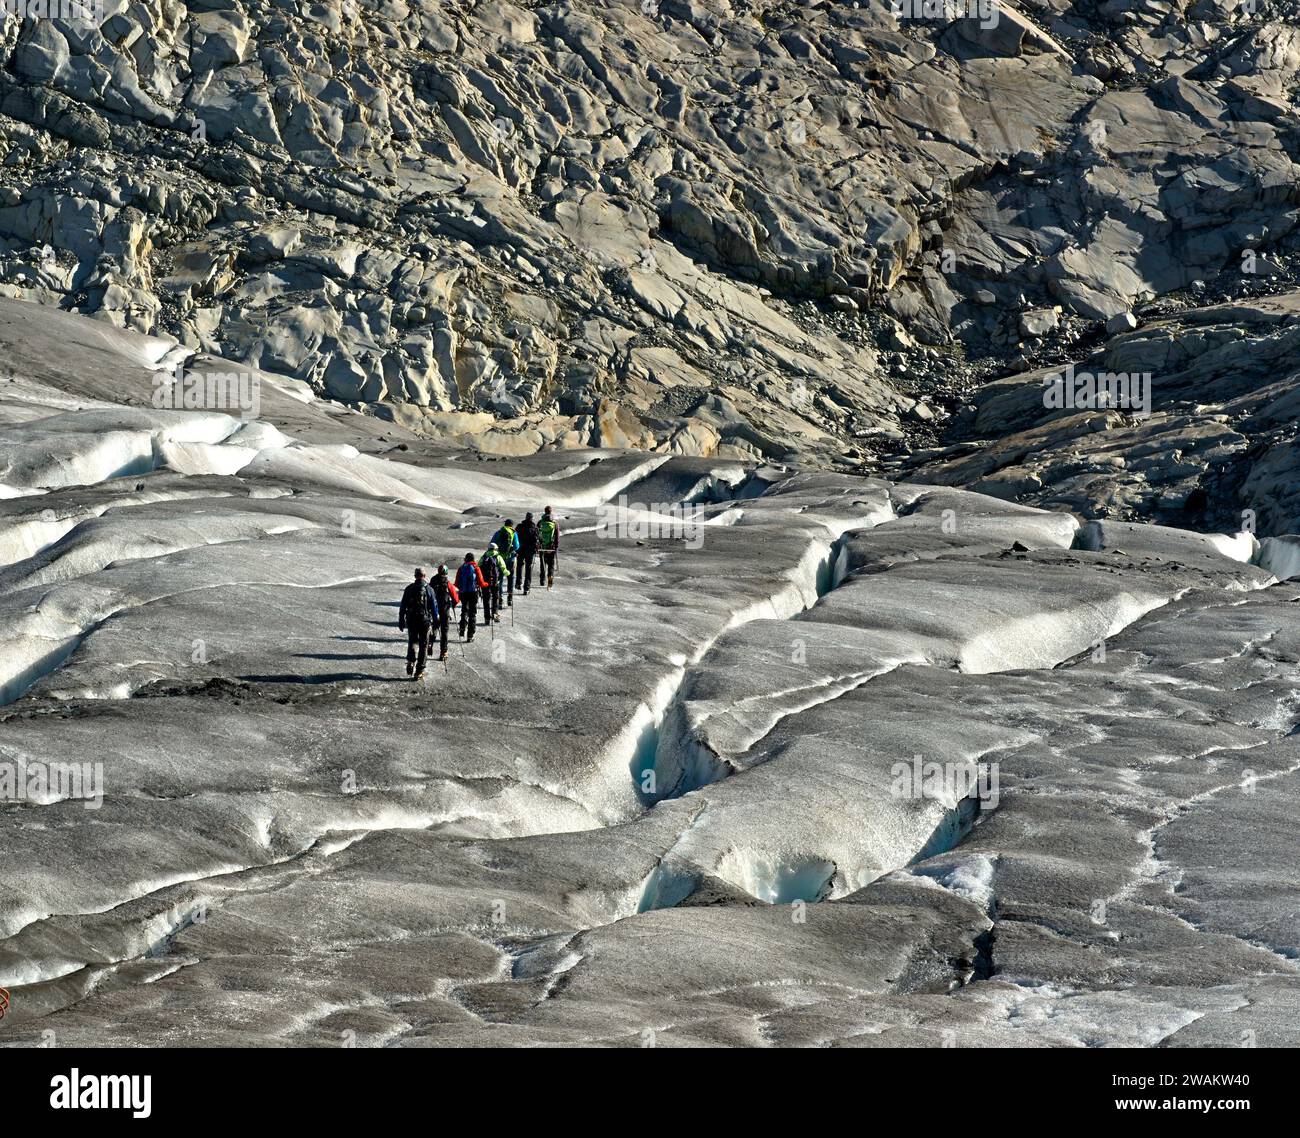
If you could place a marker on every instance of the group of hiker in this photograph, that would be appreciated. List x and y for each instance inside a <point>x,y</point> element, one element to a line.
<point>489,581</point>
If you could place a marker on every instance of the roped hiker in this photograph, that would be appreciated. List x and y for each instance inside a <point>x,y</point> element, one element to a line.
<point>488,594</point>
<point>527,535</point>
<point>507,542</point>
<point>548,543</point>
<point>416,617</point>
<point>445,590</point>
<point>469,584</point>
<point>494,572</point>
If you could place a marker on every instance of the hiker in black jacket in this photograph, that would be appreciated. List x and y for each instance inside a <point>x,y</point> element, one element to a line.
<point>527,532</point>
<point>416,617</point>
<point>445,591</point>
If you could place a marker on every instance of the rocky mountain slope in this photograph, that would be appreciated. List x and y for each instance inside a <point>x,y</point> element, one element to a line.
<point>846,763</point>
<point>1218,449</point>
<point>753,230</point>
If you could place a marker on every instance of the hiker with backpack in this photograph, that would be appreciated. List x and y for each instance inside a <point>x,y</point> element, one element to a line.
<point>470,584</point>
<point>487,595</point>
<point>494,572</point>
<point>527,537</point>
<point>507,542</point>
<point>416,617</point>
<point>548,544</point>
<point>444,589</point>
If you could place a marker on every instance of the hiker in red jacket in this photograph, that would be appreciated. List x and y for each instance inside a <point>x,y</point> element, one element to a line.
<point>448,598</point>
<point>469,584</point>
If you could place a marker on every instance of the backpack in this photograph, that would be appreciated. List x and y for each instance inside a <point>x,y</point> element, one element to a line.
<point>546,531</point>
<point>506,542</point>
<point>466,579</point>
<point>445,590</point>
<point>423,604</point>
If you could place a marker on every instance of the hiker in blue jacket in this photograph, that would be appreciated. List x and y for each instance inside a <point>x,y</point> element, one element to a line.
<point>469,583</point>
<point>417,616</point>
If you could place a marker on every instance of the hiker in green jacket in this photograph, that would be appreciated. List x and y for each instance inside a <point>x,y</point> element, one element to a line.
<point>507,542</point>
<point>493,566</point>
<point>548,545</point>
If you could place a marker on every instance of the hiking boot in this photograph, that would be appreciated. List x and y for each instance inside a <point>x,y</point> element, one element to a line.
<point>442,657</point>
<point>410,669</point>
<point>419,677</point>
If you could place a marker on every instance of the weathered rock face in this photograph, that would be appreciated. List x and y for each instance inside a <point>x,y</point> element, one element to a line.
<point>782,759</point>
<point>454,209</point>
<point>1209,441</point>
<point>686,226</point>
